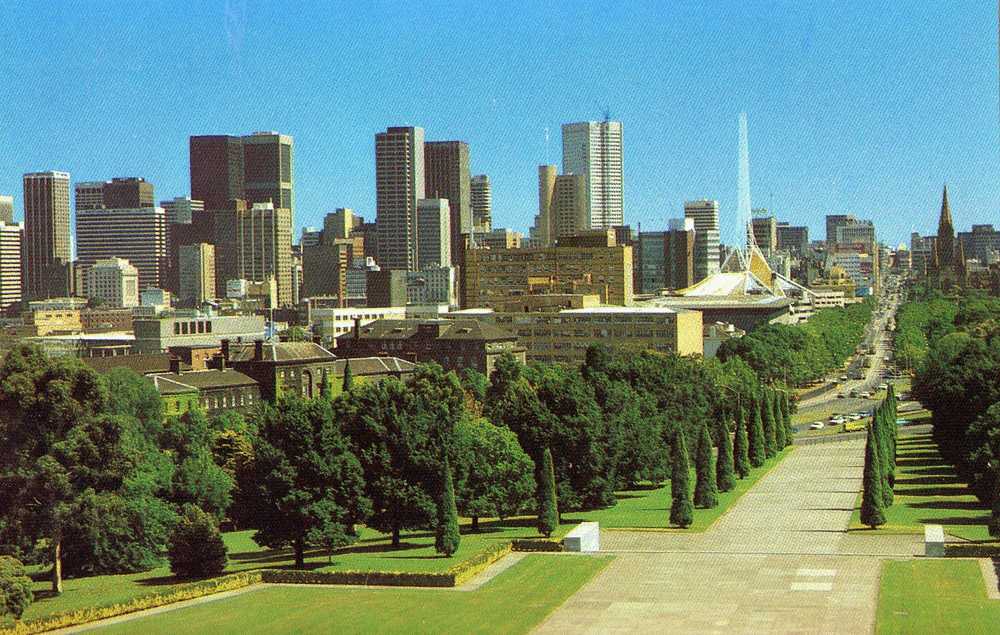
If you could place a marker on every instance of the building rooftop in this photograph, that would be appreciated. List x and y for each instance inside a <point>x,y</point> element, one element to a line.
<point>374,366</point>
<point>446,330</point>
<point>280,352</point>
<point>142,364</point>
<point>621,309</point>
<point>174,383</point>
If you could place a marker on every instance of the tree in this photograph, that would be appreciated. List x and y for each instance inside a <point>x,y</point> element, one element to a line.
<point>474,383</point>
<point>741,445</point>
<point>872,513</point>
<point>725,478</point>
<point>780,440</point>
<point>325,385</point>
<point>493,475</point>
<point>348,376</point>
<point>755,435</point>
<point>197,479</point>
<point>548,506</point>
<point>304,484</point>
<point>196,549</point>
<point>770,426</point>
<point>15,588</point>
<point>786,417</point>
<point>446,536</point>
<point>706,492</point>
<point>681,508</point>
<point>994,523</point>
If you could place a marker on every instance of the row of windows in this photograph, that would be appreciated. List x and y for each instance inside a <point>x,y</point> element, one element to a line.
<point>192,327</point>
<point>227,401</point>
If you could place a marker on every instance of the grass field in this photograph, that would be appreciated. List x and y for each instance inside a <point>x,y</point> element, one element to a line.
<point>650,508</point>
<point>513,602</point>
<point>928,491</point>
<point>935,596</point>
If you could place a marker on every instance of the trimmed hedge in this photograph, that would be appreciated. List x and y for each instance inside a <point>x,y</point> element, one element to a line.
<point>536,545</point>
<point>972,550</point>
<point>472,566</point>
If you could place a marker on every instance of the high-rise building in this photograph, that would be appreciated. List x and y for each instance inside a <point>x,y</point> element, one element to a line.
<point>216,170</point>
<point>594,150</point>
<point>855,232</point>
<point>793,239</point>
<point>482,203</point>
<point>446,176</point>
<point>254,244</point>
<point>115,282</point>
<point>562,206</point>
<point>182,209</point>
<point>705,213</point>
<point>399,184</point>
<point>138,235</point>
<point>665,260</point>
<point>267,170</point>
<point>197,273</point>
<point>11,290</point>
<point>89,195</point>
<point>130,192</point>
<point>833,221</point>
<point>46,247</point>
<point>982,243</point>
<point>765,231</point>
<point>433,233</point>
<point>7,209</point>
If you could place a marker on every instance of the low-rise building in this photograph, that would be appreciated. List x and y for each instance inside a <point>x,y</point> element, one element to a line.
<point>432,285</point>
<point>213,390</point>
<point>281,368</point>
<point>154,335</point>
<point>330,323</point>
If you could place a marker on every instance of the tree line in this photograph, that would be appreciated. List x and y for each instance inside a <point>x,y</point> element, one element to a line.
<point>879,474</point>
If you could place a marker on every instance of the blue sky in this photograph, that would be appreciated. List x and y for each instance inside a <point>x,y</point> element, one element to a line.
<point>854,107</point>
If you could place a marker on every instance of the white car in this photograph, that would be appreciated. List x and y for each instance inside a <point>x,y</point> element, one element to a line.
<point>865,395</point>
<point>816,425</point>
<point>837,421</point>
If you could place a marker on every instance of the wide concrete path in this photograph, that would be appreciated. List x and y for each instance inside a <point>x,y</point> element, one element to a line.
<point>780,561</point>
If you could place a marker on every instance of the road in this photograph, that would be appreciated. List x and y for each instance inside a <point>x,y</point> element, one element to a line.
<point>780,561</point>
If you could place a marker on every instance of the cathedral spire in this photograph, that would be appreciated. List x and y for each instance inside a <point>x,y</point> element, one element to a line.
<point>945,233</point>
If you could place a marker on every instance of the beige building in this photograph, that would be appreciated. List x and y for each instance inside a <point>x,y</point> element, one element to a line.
<point>562,206</point>
<point>591,264</point>
<point>254,244</point>
<point>197,273</point>
<point>115,282</point>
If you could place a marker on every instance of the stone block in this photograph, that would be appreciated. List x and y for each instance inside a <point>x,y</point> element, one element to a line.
<point>934,541</point>
<point>585,537</point>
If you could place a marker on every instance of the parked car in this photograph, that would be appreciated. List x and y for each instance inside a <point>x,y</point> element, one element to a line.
<point>837,420</point>
<point>883,386</point>
<point>865,395</point>
<point>854,393</point>
<point>816,425</point>
<point>854,417</point>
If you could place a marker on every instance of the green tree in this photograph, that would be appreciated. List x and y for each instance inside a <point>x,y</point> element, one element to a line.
<point>15,588</point>
<point>446,535</point>
<point>304,485</point>
<point>197,479</point>
<point>548,506</point>
<point>325,386</point>
<point>681,507</point>
<point>706,492</point>
<point>994,522</point>
<point>475,383</point>
<point>872,500</point>
<point>755,435</point>
<point>741,444</point>
<point>786,417</point>
<point>196,549</point>
<point>770,427</point>
<point>348,377</point>
<point>724,476</point>
<point>780,440</point>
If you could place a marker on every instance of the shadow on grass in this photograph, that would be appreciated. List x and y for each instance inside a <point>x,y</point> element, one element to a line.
<point>969,505</point>
<point>932,491</point>
<point>905,462</point>
<point>956,520</point>
<point>929,480</point>
<point>942,470</point>
<point>827,509</point>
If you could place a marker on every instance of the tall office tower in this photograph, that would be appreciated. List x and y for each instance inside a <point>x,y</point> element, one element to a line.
<point>678,259</point>
<point>594,149</point>
<point>341,223</point>
<point>114,281</point>
<point>182,209</point>
<point>46,249</point>
<point>130,192</point>
<point>197,273</point>
<point>399,184</point>
<point>434,233</point>
<point>705,214</point>
<point>446,176</point>
<point>267,170</point>
<point>543,233</point>
<point>856,232</point>
<point>482,203</point>
<point>793,239</point>
<point>89,195</point>
<point>562,206</point>
<point>138,235</point>
<point>216,170</point>
<point>10,264</point>
<point>833,221</point>
<point>254,244</point>
<point>7,209</point>
<point>765,231</point>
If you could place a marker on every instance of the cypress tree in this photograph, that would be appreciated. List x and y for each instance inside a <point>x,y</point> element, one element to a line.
<point>786,418</point>
<point>548,510</point>
<point>755,435</point>
<point>706,491</point>
<point>872,513</point>
<point>994,523</point>
<point>885,455</point>
<point>348,376</point>
<point>767,417</point>
<point>446,536</point>
<point>741,450</point>
<point>724,463</point>
<point>681,509</point>
<point>779,423</point>
<point>325,388</point>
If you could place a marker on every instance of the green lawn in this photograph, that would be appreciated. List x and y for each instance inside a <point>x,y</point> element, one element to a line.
<point>935,596</point>
<point>513,602</point>
<point>928,491</point>
<point>650,508</point>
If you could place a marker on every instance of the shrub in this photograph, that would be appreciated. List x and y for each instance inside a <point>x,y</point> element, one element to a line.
<point>706,492</point>
<point>534,545</point>
<point>548,513</point>
<point>15,588</point>
<point>196,549</point>
<point>447,537</point>
<point>681,512</point>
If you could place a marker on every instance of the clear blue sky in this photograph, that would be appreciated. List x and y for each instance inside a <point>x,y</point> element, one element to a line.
<point>856,107</point>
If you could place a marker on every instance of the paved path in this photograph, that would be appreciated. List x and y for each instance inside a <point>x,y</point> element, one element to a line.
<point>780,561</point>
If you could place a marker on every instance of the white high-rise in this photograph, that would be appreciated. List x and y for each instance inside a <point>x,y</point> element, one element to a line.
<point>138,235</point>
<point>115,281</point>
<point>11,288</point>
<point>705,213</point>
<point>594,149</point>
<point>433,233</point>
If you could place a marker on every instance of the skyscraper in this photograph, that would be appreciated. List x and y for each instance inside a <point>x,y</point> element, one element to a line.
<point>793,239</point>
<point>833,221</point>
<point>46,249</point>
<point>482,203</point>
<point>182,209</point>
<point>115,281</point>
<point>562,206</point>
<point>765,231</point>
<point>434,246</point>
<point>197,273</point>
<point>399,184</point>
<point>216,169</point>
<point>138,235</point>
<point>89,195</point>
<point>128,193</point>
<point>7,209</point>
<point>446,176</point>
<point>267,170</point>
<point>254,244</point>
<point>705,213</point>
<point>594,149</point>
<point>11,289</point>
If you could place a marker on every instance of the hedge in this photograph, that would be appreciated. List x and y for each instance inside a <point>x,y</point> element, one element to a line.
<point>972,550</point>
<point>530,545</point>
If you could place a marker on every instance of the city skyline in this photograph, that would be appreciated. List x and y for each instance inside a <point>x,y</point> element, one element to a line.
<point>850,110</point>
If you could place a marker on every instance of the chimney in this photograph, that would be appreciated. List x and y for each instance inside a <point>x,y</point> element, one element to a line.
<point>220,362</point>
<point>175,365</point>
<point>357,328</point>
<point>224,349</point>
<point>258,350</point>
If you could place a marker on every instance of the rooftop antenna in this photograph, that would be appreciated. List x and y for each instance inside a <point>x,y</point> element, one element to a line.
<point>547,155</point>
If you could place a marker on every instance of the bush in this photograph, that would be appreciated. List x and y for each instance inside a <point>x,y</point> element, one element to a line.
<point>15,588</point>
<point>196,549</point>
<point>536,545</point>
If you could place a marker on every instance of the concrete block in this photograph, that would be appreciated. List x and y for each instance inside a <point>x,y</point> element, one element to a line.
<point>585,537</point>
<point>934,541</point>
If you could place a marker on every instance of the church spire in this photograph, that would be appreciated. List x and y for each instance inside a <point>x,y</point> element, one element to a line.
<point>945,234</point>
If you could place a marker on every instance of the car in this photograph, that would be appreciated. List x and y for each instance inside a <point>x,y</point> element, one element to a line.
<point>854,417</point>
<point>854,393</point>
<point>837,420</point>
<point>865,395</point>
<point>903,422</point>
<point>816,425</point>
<point>843,378</point>
<point>883,386</point>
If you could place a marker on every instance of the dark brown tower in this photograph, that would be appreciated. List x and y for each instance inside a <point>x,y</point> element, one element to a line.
<point>945,235</point>
<point>217,170</point>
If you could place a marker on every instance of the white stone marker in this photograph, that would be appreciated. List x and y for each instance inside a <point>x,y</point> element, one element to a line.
<point>585,537</point>
<point>934,541</point>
